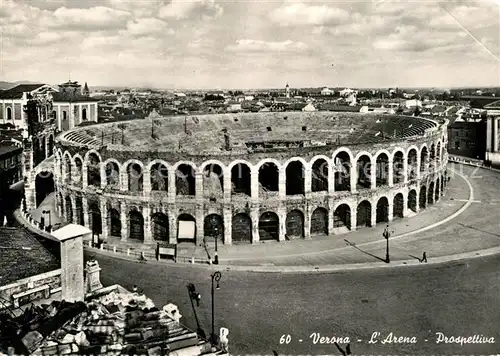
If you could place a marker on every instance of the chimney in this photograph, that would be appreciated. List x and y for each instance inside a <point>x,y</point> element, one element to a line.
<point>72,273</point>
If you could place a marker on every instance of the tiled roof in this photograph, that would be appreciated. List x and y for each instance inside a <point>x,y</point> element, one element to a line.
<point>22,256</point>
<point>9,149</point>
<point>17,91</point>
<point>493,105</point>
<point>70,97</point>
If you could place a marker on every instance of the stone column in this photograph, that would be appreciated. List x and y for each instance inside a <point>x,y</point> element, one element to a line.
<point>85,208</point>
<point>73,208</point>
<point>373,219</point>
<point>96,112</point>
<point>390,176</point>
<point>373,174</point>
<point>254,185</point>
<point>281,212</point>
<point>104,218</point>
<point>282,183</point>
<point>85,175</point>
<point>489,134</point>
<point>307,222</point>
<point>102,170</point>
<point>124,221</point>
<point>331,217</point>
<point>405,205</point>
<point>227,186</point>
<point>200,226</point>
<point>254,215</point>
<point>172,226</point>
<point>146,181</point>
<point>59,118</point>
<point>390,210</point>
<point>307,182</point>
<point>171,186</point>
<point>198,186</point>
<point>148,236</point>
<point>418,164</point>
<point>354,177</point>
<point>495,134</point>
<point>80,113</point>
<point>331,179</point>
<point>354,218</point>
<point>228,226</point>
<point>123,179</point>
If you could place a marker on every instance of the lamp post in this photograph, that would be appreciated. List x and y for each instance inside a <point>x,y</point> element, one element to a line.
<point>387,235</point>
<point>216,237</point>
<point>193,295</point>
<point>215,277</point>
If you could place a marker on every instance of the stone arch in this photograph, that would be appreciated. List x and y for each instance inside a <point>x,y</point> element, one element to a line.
<point>412,200</point>
<point>241,228</point>
<point>95,218</point>
<point>213,180</point>
<point>398,206</point>
<point>136,225</point>
<point>342,216</point>
<point>189,235</point>
<point>432,152</point>
<point>158,176</point>
<point>295,177</point>
<point>412,163</point>
<point>424,158</point>
<point>93,160</point>
<point>363,169</point>
<point>319,222</point>
<point>422,199</point>
<point>364,214</point>
<point>160,228</point>
<point>213,226</point>
<point>79,210</point>
<point>382,168</point>
<point>135,176</point>
<point>398,165</point>
<point>115,223</point>
<point>112,173</point>
<point>269,226</point>
<point>69,209</point>
<point>212,162</point>
<point>320,173</point>
<point>240,178</point>
<point>295,224</point>
<point>342,161</point>
<point>78,169</point>
<point>44,186</point>
<point>382,212</point>
<point>438,151</point>
<point>430,193</point>
<point>268,177</point>
<point>67,176</point>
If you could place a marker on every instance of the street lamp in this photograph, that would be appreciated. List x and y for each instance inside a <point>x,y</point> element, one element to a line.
<point>193,295</point>
<point>387,235</point>
<point>215,277</point>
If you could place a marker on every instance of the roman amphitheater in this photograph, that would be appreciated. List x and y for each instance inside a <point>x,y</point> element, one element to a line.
<point>245,178</point>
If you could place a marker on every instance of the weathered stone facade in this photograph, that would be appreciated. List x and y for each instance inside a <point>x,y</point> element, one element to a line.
<point>279,194</point>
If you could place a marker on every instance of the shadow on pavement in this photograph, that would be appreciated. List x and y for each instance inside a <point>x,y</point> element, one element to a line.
<point>357,248</point>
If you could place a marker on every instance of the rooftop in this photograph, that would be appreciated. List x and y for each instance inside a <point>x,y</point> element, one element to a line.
<point>17,91</point>
<point>203,134</point>
<point>71,97</point>
<point>5,150</point>
<point>22,256</point>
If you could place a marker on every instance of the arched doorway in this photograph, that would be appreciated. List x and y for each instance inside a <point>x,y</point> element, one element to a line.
<point>319,222</point>
<point>135,177</point>
<point>399,204</point>
<point>240,179</point>
<point>412,200</point>
<point>382,210</point>
<point>430,193</point>
<point>159,177</point>
<point>442,185</point>
<point>79,210</point>
<point>295,224</point>
<point>84,114</point>
<point>398,167</point>
<point>364,167</point>
<point>295,178</point>
<point>423,197</point>
<point>268,179</point>
<point>241,228</point>
<point>436,195</point>
<point>185,180</point>
<point>364,214</point>
<point>160,227</point>
<point>412,163</point>
<point>115,223</point>
<point>9,114</point>
<point>95,218</point>
<point>213,227</point>
<point>112,175</point>
<point>136,225</point>
<point>319,179</point>
<point>44,185</point>
<point>94,170</point>
<point>269,226</point>
<point>69,209</point>
<point>186,228</point>
<point>382,170</point>
<point>342,217</point>
<point>342,167</point>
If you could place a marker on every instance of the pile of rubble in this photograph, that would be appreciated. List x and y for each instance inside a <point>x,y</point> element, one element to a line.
<point>123,323</point>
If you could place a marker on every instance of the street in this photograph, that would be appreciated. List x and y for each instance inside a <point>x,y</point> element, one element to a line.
<point>458,299</point>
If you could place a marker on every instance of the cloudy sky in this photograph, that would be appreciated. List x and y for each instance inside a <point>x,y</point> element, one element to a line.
<point>252,44</point>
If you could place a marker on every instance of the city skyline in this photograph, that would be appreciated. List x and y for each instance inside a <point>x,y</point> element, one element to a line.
<point>203,44</point>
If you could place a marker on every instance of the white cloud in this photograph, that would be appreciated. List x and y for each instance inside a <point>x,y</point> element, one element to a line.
<point>302,14</point>
<point>92,19</point>
<point>148,26</point>
<point>192,9</point>
<point>248,45</point>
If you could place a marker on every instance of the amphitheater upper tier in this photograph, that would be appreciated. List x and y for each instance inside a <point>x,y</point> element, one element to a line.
<point>233,135</point>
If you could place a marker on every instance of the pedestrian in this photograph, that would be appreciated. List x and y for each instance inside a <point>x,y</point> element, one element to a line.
<point>424,258</point>
<point>135,289</point>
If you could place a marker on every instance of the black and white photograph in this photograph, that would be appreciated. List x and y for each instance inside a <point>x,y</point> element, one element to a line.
<point>250,177</point>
